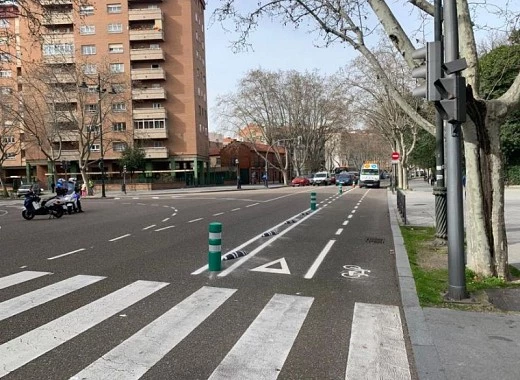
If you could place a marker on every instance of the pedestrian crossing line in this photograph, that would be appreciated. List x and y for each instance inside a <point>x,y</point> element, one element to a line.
<point>40,296</point>
<point>135,356</point>
<point>377,349</point>
<point>20,277</point>
<point>261,351</point>
<point>29,346</point>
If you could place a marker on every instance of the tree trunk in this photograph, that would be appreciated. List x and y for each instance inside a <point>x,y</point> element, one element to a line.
<point>485,233</point>
<point>2,184</point>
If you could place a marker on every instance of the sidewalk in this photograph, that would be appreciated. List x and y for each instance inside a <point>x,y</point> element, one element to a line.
<point>452,344</point>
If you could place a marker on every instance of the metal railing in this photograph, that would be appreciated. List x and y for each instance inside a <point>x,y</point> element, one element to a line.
<point>401,204</point>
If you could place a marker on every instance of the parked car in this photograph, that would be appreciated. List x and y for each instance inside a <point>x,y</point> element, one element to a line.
<point>345,179</point>
<point>300,181</point>
<point>310,177</point>
<point>321,178</point>
<point>24,189</point>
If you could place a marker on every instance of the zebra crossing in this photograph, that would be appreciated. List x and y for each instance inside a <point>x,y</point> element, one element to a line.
<point>377,345</point>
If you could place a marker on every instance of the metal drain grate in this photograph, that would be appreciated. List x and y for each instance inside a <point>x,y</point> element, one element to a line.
<point>374,240</point>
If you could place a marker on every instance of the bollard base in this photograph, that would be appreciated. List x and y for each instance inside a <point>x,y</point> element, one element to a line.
<point>214,262</point>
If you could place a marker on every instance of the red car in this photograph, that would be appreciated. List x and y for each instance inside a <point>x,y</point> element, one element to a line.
<point>300,181</point>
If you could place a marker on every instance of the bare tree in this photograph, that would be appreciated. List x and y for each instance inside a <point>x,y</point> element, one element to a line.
<point>346,21</point>
<point>287,107</point>
<point>59,109</point>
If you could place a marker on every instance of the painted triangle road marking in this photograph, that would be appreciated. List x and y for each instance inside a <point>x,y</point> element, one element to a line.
<point>284,268</point>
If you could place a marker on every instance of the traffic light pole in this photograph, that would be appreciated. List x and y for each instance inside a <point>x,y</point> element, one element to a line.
<point>456,265</point>
<point>439,189</point>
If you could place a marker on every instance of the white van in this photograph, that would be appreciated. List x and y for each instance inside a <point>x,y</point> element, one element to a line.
<point>321,178</point>
<point>369,176</point>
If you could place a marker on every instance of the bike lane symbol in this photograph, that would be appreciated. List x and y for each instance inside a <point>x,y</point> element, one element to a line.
<point>354,271</point>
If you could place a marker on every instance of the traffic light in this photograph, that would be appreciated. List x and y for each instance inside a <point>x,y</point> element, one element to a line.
<point>452,106</point>
<point>429,70</point>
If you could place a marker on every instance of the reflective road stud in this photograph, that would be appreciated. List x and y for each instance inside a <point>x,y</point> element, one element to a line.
<point>313,201</point>
<point>215,246</point>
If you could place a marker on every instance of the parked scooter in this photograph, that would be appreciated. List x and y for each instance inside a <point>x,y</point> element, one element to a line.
<point>33,205</point>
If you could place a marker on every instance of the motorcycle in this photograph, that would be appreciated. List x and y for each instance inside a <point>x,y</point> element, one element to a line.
<point>33,205</point>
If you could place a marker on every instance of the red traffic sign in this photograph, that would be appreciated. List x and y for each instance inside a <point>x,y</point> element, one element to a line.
<point>395,156</point>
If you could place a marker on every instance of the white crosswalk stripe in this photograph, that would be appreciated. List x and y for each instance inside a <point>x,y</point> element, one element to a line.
<point>20,277</point>
<point>40,296</point>
<point>135,356</point>
<point>37,342</point>
<point>376,348</point>
<point>262,350</point>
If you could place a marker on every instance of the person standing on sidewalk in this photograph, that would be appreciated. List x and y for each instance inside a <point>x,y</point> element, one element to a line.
<point>90,187</point>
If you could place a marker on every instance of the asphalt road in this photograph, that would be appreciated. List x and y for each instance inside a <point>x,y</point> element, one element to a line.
<point>122,290</point>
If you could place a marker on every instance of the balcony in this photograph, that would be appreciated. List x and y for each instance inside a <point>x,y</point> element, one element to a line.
<point>59,96</point>
<point>149,113</point>
<point>148,93</point>
<point>146,35</point>
<point>156,152</point>
<point>146,54</point>
<point>58,59</point>
<point>55,2</point>
<point>143,74</point>
<point>67,136</point>
<point>144,14</point>
<point>62,78</point>
<point>145,134</point>
<point>69,155</point>
<point>57,18</point>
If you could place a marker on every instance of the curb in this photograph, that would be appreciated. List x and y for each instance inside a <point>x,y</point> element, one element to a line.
<point>426,356</point>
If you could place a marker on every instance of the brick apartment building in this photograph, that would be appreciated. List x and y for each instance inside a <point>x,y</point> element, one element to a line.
<point>138,65</point>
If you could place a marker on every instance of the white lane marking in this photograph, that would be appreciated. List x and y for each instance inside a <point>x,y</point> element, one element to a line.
<point>155,197</point>
<point>353,211</point>
<point>165,219</point>
<point>350,216</point>
<point>4,212</point>
<point>136,355</point>
<point>263,245</point>
<point>66,254</point>
<point>205,267</point>
<point>20,277</point>
<point>254,204</point>
<point>355,207</point>
<point>120,237</point>
<point>135,198</point>
<point>168,207</point>
<point>117,198</point>
<point>261,352</point>
<point>164,228</point>
<point>141,204</point>
<point>150,226</point>
<point>195,220</point>
<point>40,296</point>
<point>29,346</point>
<point>377,349</point>
<point>339,231</point>
<point>345,222</point>
<point>314,267</point>
<point>284,268</point>
<point>236,209</point>
<point>218,213</point>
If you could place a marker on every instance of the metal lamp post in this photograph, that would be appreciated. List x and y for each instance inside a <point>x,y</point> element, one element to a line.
<point>238,173</point>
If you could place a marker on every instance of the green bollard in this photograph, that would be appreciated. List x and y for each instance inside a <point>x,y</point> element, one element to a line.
<point>313,201</point>
<point>215,246</point>
<point>341,188</point>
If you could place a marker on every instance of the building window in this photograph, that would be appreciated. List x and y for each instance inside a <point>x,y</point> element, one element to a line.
<point>88,49</point>
<point>157,105</point>
<point>89,68</point>
<point>87,29</point>
<point>118,88</point>
<point>95,148</point>
<point>90,108</point>
<point>11,156</point>
<point>115,28</point>
<point>6,90</point>
<point>119,127</point>
<point>117,68</point>
<point>8,140</point>
<point>4,23</point>
<point>5,57</point>
<point>118,107</point>
<point>4,40</point>
<point>5,73</point>
<point>119,146</point>
<point>58,49</point>
<point>113,8</point>
<point>150,124</point>
<point>115,48</point>
<point>154,46</point>
<point>94,129</point>
<point>86,10</point>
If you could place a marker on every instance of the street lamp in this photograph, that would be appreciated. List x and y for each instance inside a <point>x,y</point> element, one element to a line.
<point>100,91</point>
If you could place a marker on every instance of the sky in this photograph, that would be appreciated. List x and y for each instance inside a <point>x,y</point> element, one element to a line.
<point>282,48</point>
